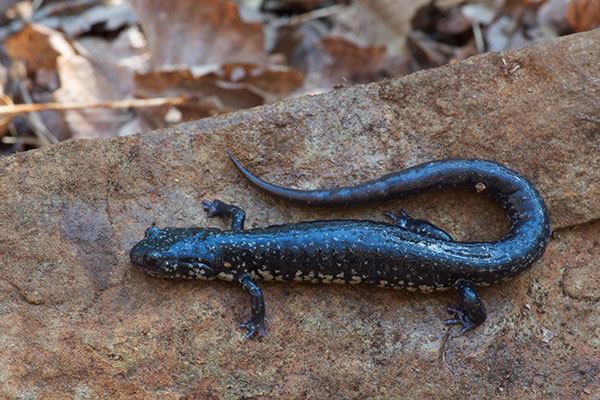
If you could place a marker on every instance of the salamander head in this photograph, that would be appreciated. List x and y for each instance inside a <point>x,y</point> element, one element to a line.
<point>174,253</point>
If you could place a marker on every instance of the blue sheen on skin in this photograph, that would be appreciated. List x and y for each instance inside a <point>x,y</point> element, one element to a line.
<point>407,253</point>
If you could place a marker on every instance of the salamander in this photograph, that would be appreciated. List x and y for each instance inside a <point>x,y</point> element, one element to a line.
<point>404,253</point>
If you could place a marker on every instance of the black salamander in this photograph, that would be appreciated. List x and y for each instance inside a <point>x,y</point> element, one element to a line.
<point>405,253</point>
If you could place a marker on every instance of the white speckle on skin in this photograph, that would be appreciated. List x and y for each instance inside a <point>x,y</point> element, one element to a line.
<point>339,281</point>
<point>411,289</point>
<point>265,275</point>
<point>355,279</point>
<point>225,277</point>
<point>340,275</point>
<point>425,288</point>
<point>383,283</point>
<point>325,278</point>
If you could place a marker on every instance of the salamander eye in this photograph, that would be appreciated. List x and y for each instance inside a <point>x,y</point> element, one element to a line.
<point>152,258</point>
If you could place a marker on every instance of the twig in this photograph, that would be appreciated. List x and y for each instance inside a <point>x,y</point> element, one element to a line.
<point>319,13</point>
<point>30,140</point>
<point>41,131</point>
<point>135,103</point>
<point>478,35</point>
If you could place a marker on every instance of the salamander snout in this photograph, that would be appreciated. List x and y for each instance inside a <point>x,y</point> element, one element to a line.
<point>152,254</point>
<point>169,264</point>
<point>143,257</point>
<point>147,257</point>
<point>136,256</point>
<point>154,262</point>
<point>175,253</point>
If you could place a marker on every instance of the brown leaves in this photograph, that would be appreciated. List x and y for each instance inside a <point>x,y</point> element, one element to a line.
<point>583,15</point>
<point>190,32</point>
<point>223,55</point>
<point>341,61</point>
<point>38,46</point>
<point>378,23</point>
<point>205,49</point>
<point>82,81</point>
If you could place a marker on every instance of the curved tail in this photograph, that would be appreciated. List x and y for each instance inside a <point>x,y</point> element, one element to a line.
<point>530,224</point>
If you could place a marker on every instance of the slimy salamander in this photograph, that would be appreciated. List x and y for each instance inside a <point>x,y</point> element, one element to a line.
<point>405,253</point>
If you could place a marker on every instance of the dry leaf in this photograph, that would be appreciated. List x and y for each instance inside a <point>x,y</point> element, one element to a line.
<point>453,23</point>
<point>226,88</point>
<point>340,61</point>
<point>184,82</point>
<point>198,32</point>
<point>553,14</point>
<point>110,17</point>
<point>147,119</point>
<point>276,81</point>
<point>428,52</point>
<point>499,34</point>
<point>121,57</point>
<point>82,81</point>
<point>378,23</point>
<point>223,63</point>
<point>22,10</point>
<point>583,15</point>
<point>480,13</point>
<point>106,73</point>
<point>39,46</point>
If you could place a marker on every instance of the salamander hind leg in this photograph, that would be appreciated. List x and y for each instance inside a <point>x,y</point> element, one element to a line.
<point>471,312</point>
<point>419,226</point>
<point>217,208</point>
<point>256,323</point>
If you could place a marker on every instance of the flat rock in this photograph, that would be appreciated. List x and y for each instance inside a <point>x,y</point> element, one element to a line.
<point>78,321</point>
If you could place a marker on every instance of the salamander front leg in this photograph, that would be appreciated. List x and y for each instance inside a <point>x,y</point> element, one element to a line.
<point>471,311</point>
<point>217,208</point>
<point>256,323</point>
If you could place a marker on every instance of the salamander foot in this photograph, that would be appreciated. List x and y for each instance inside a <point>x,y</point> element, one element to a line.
<point>211,208</point>
<point>256,323</point>
<point>253,328</point>
<point>471,312</point>
<point>462,320</point>
<point>219,209</point>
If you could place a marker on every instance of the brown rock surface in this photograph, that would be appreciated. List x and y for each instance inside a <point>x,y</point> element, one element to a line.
<point>78,321</point>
